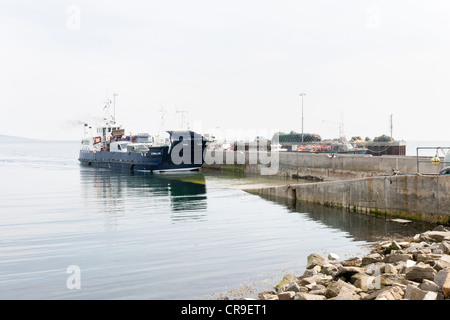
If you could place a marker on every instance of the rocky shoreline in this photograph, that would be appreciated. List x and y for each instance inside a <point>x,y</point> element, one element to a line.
<point>416,268</point>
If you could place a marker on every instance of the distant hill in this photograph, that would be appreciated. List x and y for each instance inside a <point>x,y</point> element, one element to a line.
<point>6,138</point>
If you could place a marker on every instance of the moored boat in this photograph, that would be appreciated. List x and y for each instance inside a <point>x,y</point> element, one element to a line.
<point>106,145</point>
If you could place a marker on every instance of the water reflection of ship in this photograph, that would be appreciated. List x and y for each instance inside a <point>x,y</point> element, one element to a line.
<point>183,196</point>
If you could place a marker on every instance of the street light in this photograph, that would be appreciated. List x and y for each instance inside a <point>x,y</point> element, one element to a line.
<point>302,94</point>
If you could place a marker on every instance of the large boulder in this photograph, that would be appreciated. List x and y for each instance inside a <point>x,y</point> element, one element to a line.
<point>445,247</point>
<point>387,279</point>
<point>347,272</point>
<point>442,263</point>
<point>374,294</point>
<point>287,279</point>
<point>429,285</point>
<point>308,296</point>
<point>287,295</point>
<point>371,258</point>
<point>396,257</point>
<point>442,279</point>
<point>437,236</point>
<point>330,269</point>
<point>346,293</point>
<point>391,293</point>
<point>420,271</point>
<point>315,260</point>
<point>365,282</point>
<point>334,289</point>
<point>415,293</point>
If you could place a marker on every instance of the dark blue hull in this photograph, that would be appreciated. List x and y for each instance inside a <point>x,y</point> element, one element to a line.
<point>156,160</point>
<point>131,162</point>
<point>187,148</point>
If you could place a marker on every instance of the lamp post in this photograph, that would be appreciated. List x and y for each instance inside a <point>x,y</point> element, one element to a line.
<point>302,94</point>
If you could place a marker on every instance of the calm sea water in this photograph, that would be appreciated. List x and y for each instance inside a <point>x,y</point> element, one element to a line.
<point>73,232</point>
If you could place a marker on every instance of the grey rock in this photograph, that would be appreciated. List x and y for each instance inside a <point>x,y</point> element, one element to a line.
<point>442,279</point>
<point>324,280</point>
<point>346,293</point>
<point>268,296</point>
<point>348,271</point>
<point>445,247</point>
<point>319,291</point>
<point>428,285</point>
<point>396,257</point>
<point>335,288</point>
<point>426,238</point>
<point>293,286</point>
<point>391,293</point>
<point>440,228</point>
<point>420,251</point>
<point>311,272</point>
<point>405,265</point>
<point>441,276</point>
<point>415,293</point>
<point>351,261</point>
<point>416,238</point>
<point>375,269</point>
<point>442,263</point>
<point>287,295</point>
<point>389,268</point>
<point>333,256</point>
<point>424,257</point>
<point>390,279</point>
<point>437,236</point>
<point>395,246</point>
<point>309,280</point>
<point>420,271</point>
<point>308,296</point>
<point>365,282</point>
<point>404,244</point>
<point>371,258</point>
<point>373,295</point>
<point>413,247</point>
<point>315,260</point>
<point>288,278</point>
<point>330,269</point>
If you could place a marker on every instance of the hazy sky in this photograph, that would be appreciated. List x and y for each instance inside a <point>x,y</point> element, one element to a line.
<point>230,64</point>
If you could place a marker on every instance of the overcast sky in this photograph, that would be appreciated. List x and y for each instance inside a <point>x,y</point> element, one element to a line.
<point>232,65</point>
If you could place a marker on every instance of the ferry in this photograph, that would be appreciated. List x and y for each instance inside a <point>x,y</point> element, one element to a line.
<point>107,146</point>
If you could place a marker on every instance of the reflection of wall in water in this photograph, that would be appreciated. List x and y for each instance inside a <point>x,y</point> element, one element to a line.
<point>362,227</point>
<point>118,189</point>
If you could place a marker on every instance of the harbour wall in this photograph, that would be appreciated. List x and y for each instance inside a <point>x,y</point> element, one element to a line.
<point>319,166</point>
<point>385,185</point>
<point>415,197</point>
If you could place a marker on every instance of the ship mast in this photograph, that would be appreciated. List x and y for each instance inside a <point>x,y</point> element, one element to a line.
<point>110,118</point>
<point>114,107</point>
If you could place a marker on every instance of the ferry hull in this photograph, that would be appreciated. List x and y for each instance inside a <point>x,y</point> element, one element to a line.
<point>132,162</point>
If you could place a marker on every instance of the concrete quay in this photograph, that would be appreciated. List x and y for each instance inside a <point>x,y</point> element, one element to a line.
<point>318,166</point>
<point>395,186</point>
